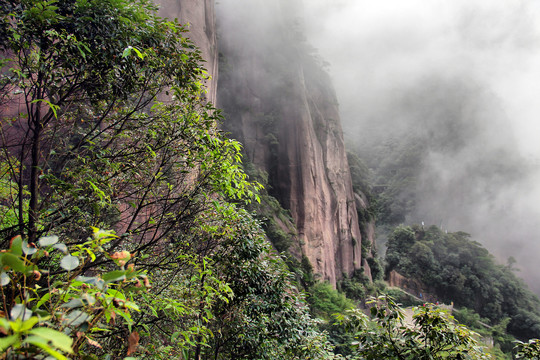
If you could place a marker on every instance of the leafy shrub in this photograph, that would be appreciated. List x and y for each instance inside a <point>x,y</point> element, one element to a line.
<point>326,301</point>
<point>433,334</point>
<point>529,350</point>
<point>53,309</point>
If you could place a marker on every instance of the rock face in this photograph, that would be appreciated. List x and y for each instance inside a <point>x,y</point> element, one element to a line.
<point>411,286</point>
<point>281,105</point>
<point>200,15</point>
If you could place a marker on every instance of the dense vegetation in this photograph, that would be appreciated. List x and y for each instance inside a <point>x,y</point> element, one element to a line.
<point>123,216</point>
<point>87,145</point>
<point>458,269</point>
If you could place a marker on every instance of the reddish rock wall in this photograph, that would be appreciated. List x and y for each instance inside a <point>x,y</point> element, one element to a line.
<point>283,108</point>
<point>200,15</point>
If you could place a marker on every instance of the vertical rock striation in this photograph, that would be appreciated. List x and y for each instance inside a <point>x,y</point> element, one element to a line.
<point>281,105</point>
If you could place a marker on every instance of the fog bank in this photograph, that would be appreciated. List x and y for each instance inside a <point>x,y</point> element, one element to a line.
<point>459,79</point>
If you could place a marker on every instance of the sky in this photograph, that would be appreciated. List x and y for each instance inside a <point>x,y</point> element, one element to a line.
<point>405,67</point>
<point>382,46</point>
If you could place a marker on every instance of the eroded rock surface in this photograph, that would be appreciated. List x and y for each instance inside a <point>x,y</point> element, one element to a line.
<point>281,105</point>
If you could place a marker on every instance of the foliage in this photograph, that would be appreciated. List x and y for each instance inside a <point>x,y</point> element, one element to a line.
<point>460,270</point>
<point>326,301</point>
<point>96,147</point>
<point>280,228</point>
<point>9,205</point>
<point>79,101</point>
<point>274,214</point>
<point>529,350</point>
<point>55,310</point>
<point>432,334</point>
<point>359,287</point>
<point>504,342</point>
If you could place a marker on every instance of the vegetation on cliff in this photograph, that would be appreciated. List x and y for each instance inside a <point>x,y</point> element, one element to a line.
<point>122,211</point>
<point>87,143</point>
<point>459,270</point>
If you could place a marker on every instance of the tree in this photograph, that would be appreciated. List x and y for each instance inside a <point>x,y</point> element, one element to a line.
<point>80,91</point>
<point>458,269</point>
<point>105,124</point>
<point>91,145</point>
<point>432,334</point>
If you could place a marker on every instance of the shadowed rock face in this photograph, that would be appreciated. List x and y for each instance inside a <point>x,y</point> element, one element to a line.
<point>313,176</point>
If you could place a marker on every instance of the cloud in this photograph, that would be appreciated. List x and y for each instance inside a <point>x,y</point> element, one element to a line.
<point>464,77</point>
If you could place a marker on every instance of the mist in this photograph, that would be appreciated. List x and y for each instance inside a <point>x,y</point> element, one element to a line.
<point>460,79</point>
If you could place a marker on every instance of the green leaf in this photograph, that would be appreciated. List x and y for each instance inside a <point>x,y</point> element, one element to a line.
<point>69,262</point>
<point>115,275</point>
<point>12,261</point>
<point>48,240</point>
<point>44,344</point>
<point>125,315</point>
<point>16,245</point>
<point>52,106</point>
<point>126,52</point>
<point>28,324</point>
<point>91,254</point>
<point>43,299</point>
<point>139,54</point>
<point>58,339</point>
<point>8,341</point>
<point>116,294</point>
<point>131,305</point>
<point>103,236</point>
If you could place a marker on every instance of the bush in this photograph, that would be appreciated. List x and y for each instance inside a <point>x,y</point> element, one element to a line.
<point>69,312</point>
<point>432,335</point>
<point>326,301</point>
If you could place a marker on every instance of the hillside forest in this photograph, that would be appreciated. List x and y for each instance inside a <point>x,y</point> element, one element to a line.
<point>133,227</point>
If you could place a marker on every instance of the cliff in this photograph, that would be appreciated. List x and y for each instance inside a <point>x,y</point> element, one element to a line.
<point>281,105</point>
<point>199,16</point>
